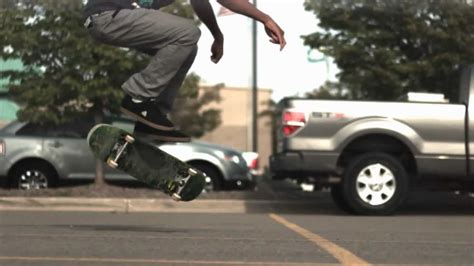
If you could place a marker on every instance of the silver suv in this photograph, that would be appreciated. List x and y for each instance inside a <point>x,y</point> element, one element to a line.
<point>36,156</point>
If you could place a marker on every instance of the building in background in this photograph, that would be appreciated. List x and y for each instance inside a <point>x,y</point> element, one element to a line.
<point>236,114</point>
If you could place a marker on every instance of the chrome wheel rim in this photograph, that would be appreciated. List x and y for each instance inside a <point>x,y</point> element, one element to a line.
<point>376,184</point>
<point>33,179</point>
<point>209,185</point>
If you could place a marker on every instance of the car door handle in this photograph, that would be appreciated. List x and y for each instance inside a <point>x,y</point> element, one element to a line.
<point>55,144</point>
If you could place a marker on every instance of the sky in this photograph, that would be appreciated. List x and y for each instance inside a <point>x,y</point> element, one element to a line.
<point>287,72</point>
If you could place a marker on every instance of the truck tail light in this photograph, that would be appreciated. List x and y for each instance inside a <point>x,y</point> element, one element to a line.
<point>2,148</point>
<point>292,122</point>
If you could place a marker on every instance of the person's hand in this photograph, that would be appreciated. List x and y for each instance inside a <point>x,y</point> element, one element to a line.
<point>276,34</point>
<point>217,49</point>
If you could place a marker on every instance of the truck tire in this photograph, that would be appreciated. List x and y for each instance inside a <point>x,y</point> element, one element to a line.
<point>375,184</point>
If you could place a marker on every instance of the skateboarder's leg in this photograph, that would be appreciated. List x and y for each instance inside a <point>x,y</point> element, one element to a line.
<point>173,38</point>
<point>166,98</point>
<point>164,103</point>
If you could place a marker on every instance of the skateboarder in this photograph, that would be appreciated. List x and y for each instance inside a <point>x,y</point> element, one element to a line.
<point>172,43</point>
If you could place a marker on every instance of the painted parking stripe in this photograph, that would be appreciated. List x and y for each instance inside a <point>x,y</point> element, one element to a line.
<point>344,256</point>
<point>152,261</point>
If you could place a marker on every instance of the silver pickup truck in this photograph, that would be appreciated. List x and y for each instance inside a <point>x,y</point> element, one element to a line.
<point>370,153</point>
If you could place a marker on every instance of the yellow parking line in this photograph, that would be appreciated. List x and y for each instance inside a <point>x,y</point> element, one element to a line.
<point>151,261</point>
<point>342,255</point>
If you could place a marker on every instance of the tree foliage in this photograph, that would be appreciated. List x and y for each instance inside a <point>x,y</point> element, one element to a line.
<point>328,91</point>
<point>385,48</point>
<point>66,73</point>
<point>191,107</point>
<point>181,8</point>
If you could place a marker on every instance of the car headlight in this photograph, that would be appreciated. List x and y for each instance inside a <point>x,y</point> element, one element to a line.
<point>228,157</point>
<point>234,158</point>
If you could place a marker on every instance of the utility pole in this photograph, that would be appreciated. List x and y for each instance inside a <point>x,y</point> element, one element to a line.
<point>254,86</point>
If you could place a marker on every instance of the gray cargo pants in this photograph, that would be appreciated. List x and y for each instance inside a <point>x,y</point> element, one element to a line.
<point>170,40</point>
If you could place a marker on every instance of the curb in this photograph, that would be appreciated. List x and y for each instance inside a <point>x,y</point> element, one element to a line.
<point>150,205</point>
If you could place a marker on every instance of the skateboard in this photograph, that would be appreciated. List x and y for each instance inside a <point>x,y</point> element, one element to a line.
<point>145,162</point>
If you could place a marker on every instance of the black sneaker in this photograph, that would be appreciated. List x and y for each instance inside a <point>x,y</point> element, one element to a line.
<point>152,134</point>
<point>146,112</point>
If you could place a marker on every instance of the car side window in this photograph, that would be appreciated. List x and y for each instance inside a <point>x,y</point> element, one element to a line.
<point>33,130</point>
<point>76,129</point>
<point>63,131</point>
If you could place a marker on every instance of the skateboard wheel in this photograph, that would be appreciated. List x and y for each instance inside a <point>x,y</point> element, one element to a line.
<point>112,163</point>
<point>191,171</point>
<point>129,139</point>
<point>176,197</point>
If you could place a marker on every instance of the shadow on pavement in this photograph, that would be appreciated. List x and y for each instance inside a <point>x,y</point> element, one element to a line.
<point>287,198</point>
<point>437,203</point>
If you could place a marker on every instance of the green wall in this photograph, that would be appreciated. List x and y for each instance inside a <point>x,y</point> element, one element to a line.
<point>8,108</point>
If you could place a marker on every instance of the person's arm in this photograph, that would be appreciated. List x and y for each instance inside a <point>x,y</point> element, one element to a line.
<point>205,13</point>
<point>244,7</point>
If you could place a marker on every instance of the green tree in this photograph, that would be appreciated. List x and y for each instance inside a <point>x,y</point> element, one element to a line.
<point>385,48</point>
<point>328,91</point>
<point>191,107</point>
<point>67,74</point>
<point>180,8</point>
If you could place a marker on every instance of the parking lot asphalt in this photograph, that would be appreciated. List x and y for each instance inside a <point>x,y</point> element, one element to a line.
<point>279,224</point>
<point>156,238</point>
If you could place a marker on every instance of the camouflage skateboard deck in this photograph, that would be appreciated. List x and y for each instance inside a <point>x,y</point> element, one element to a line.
<point>145,162</point>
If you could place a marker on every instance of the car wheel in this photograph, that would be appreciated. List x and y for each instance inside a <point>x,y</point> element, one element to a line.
<point>213,178</point>
<point>375,184</point>
<point>338,198</point>
<point>33,176</point>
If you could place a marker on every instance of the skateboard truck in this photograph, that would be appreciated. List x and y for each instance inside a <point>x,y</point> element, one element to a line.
<point>113,162</point>
<point>182,183</point>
